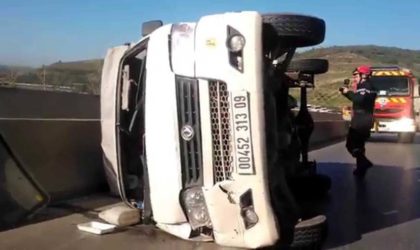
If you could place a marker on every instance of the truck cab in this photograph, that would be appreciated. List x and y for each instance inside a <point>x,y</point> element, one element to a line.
<point>396,105</point>
<point>191,115</point>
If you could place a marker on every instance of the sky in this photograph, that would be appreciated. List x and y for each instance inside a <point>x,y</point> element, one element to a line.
<point>36,32</point>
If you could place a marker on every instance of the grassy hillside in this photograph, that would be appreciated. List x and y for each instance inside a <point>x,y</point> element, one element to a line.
<point>344,59</point>
<point>85,75</point>
<point>77,66</point>
<point>82,76</point>
<point>3,68</point>
<point>374,55</point>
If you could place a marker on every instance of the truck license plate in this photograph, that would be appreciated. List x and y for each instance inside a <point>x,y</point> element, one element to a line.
<point>244,160</point>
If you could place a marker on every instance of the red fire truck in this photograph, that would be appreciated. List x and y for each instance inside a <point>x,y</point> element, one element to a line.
<point>397,105</point>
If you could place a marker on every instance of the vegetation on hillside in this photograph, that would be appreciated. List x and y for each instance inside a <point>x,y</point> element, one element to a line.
<point>84,76</point>
<point>377,55</point>
<point>344,59</point>
<point>80,76</point>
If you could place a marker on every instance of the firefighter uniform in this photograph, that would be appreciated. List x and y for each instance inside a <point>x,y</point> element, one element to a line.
<point>363,99</point>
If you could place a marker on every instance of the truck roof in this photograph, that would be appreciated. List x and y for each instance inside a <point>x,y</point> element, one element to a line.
<point>380,68</point>
<point>390,71</point>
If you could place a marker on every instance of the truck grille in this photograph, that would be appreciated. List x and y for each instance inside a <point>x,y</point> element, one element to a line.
<point>388,111</point>
<point>221,131</point>
<point>190,131</point>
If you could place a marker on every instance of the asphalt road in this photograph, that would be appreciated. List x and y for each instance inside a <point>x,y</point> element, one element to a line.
<point>381,212</point>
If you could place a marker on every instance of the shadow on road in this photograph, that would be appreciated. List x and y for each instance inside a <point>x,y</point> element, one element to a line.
<point>387,197</point>
<point>88,206</point>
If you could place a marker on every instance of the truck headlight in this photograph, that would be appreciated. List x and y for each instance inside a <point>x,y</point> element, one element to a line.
<point>236,43</point>
<point>195,207</point>
<point>247,209</point>
<point>250,217</point>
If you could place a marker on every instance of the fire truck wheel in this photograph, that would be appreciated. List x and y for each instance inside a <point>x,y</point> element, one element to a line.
<point>296,30</point>
<point>406,137</point>
<point>309,66</point>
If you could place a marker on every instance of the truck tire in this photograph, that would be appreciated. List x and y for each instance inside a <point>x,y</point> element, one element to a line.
<point>406,137</point>
<point>295,30</point>
<point>309,66</point>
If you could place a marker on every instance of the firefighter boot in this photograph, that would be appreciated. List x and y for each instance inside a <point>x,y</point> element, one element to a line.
<point>363,164</point>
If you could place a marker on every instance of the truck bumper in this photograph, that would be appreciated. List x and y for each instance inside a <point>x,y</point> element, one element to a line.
<point>403,125</point>
<point>226,203</point>
<point>239,217</point>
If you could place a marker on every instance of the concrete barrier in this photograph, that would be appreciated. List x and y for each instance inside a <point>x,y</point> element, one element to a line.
<point>328,132</point>
<point>23,103</point>
<point>57,138</point>
<point>329,128</point>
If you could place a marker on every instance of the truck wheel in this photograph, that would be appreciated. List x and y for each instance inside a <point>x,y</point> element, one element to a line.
<point>406,137</point>
<point>309,66</point>
<point>295,30</point>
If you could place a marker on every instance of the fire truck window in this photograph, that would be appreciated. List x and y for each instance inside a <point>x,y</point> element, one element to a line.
<point>391,85</point>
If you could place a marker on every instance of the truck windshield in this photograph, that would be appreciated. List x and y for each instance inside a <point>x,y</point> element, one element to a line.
<point>391,85</point>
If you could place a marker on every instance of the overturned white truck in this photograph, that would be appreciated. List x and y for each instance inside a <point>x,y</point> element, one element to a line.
<point>193,120</point>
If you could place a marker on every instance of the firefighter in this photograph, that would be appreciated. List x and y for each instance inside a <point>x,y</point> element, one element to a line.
<point>363,99</point>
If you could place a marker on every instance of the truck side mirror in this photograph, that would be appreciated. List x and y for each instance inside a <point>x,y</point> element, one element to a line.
<point>150,26</point>
<point>346,82</point>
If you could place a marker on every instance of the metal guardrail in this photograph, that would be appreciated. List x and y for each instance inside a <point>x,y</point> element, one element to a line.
<point>328,132</point>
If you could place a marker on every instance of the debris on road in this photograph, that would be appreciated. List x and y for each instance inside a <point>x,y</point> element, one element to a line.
<point>121,215</point>
<point>96,227</point>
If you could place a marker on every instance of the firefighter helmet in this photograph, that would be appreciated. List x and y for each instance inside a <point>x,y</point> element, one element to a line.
<point>363,70</point>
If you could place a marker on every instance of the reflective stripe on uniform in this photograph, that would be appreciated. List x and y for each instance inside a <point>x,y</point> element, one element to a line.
<point>364,90</point>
